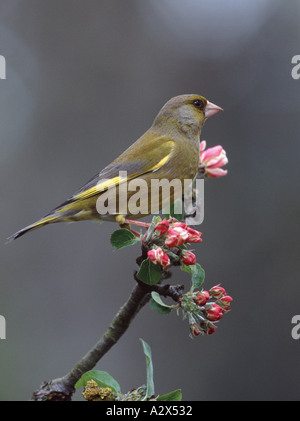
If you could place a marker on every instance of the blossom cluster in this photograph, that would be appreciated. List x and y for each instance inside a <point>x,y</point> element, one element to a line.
<point>212,159</point>
<point>204,308</point>
<point>172,233</point>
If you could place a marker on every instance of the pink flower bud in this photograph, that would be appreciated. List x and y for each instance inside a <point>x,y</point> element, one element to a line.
<point>179,224</point>
<point>194,236</point>
<point>212,159</point>
<point>217,292</point>
<point>214,313</point>
<point>158,256</point>
<point>210,329</point>
<point>188,258</point>
<point>195,329</point>
<point>202,145</point>
<point>201,298</point>
<point>225,302</point>
<point>176,237</point>
<point>172,220</point>
<point>211,155</point>
<point>216,172</point>
<point>162,227</point>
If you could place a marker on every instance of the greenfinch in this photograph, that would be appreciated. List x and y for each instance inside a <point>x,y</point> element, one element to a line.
<point>168,150</point>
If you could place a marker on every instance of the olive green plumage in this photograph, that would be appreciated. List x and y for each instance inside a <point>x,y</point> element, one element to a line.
<point>168,150</point>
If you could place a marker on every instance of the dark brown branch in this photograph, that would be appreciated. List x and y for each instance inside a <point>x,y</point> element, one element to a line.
<point>166,290</point>
<point>63,388</point>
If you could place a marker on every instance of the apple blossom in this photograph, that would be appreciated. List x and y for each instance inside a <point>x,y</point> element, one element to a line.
<point>212,159</point>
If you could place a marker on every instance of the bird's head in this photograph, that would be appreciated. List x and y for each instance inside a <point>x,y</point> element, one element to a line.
<point>186,113</point>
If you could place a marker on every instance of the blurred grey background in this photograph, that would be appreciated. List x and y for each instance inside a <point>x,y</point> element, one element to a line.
<point>84,80</point>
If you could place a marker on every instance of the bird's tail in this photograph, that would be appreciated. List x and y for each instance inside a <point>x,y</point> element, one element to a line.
<point>34,226</point>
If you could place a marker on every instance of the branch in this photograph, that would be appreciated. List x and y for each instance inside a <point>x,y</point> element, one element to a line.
<point>62,389</point>
<point>166,290</point>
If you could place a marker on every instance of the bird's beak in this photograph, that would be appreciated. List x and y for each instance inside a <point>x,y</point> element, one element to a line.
<point>211,109</point>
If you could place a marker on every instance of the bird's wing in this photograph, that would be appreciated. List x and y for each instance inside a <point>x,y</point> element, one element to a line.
<point>135,161</point>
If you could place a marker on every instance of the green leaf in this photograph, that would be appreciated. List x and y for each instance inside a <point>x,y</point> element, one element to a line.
<point>197,274</point>
<point>102,378</point>
<point>157,304</point>
<point>123,238</point>
<point>176,395</point>
<point>149,370</point>
<point>149,273</point>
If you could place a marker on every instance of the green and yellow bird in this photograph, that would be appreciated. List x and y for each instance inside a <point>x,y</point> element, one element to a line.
<point>168,150</point>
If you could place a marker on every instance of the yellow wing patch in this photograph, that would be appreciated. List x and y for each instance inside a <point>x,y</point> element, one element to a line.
<point>106,184</point>
<point>161,163</point>
<point>100,187</point>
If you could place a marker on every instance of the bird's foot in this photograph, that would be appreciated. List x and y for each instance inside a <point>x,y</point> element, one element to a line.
<point>127,226</point>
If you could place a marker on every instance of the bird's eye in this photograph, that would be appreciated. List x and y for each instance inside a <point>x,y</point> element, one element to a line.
<point>199,104</point>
